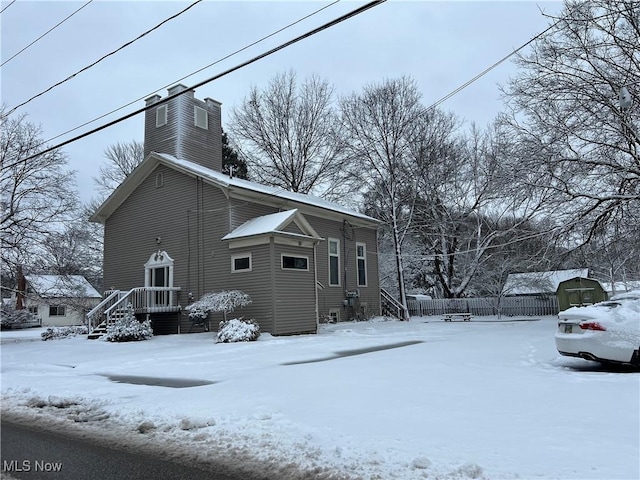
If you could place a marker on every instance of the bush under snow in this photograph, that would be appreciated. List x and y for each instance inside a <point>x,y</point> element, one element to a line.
<point>10,317</point>
<point>56,333</point>
<point>225,301</point>
<point>129,328</point>
<point>238,330</point>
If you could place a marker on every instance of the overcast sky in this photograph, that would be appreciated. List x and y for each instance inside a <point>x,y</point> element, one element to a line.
<point>439,44</point>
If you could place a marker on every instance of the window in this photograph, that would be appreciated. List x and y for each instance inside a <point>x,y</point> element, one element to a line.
<point>161,115</point>
<point>241,263</point>
<point>159,179</point>
<point>200,117</point>
<point>33,310</point>
<point>57,310</point>
<point>361,264</point>
<point>334,316</point>
<point>290,262</point>
<point>334,262</point>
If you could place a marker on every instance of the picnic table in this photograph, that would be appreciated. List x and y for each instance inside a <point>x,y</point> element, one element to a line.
<point>450,317</point>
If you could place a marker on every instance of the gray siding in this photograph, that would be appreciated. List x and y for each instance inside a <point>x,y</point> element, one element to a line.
<point>190,217</point>
<point>332,297</point>
<point>295,293</point>
<point>256,283</point>
<point>242,211</point>
<point>180,137</point>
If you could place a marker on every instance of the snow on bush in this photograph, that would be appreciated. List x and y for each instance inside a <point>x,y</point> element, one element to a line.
<point>10,317</point>
<point>56,333</point>
<point>238,330</point>
<point>129,329</point>
<point>225,301</point>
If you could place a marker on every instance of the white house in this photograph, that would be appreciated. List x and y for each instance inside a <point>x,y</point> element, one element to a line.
<point>60,300</point>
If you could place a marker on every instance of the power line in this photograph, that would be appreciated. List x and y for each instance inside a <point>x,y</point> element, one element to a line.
<point>282,46</point>
<point>487,70</point>
<point>2,11</point>
<point>105,56</point>
<point>44,34</point>
<point>197,71</point>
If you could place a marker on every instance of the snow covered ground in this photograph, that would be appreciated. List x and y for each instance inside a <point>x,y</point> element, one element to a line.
<point>486,399</point>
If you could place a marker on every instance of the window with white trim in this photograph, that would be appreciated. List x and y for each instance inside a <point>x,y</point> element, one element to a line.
<point>361,264</point>
<point>334,262</point>
<point>295,262</point>
<point>334,315</point>
<point>241,263</point>
<point>200,117</point>
<point>161,115</point>
<point>57,310</point>
<point>33,310</point>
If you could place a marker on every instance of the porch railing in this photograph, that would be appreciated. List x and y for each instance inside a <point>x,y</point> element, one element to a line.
<point>142,299</point>
<point>96,315</point>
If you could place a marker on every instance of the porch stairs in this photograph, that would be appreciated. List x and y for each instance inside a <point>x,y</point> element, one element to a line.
<point>101,328</point>
<point>390,307</point>
<point>144,300</point>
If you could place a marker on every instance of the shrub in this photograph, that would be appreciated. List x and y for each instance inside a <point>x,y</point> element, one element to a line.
<point>225,302</point>
<point>56,333</point>
<point>10,317</point>
<point>238,330</point>
<point>129,328</point>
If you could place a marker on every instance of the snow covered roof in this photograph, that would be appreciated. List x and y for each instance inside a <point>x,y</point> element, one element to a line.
<point>532,283</point>
<point>275,223</point>
<point>236,187</point>
<point>265,224</point>
<point>621,287</point>
<point>61,286</point>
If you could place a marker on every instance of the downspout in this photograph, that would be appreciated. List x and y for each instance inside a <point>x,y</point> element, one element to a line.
<point>315,284</point>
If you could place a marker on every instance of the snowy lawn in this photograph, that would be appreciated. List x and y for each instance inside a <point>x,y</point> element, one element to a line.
<point>481,399</point>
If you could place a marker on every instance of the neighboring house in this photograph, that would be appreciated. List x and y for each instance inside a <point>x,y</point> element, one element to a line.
<point>60,300</point>
<point>579,292</point>
<point>178,228</point>
<point>539,283</point>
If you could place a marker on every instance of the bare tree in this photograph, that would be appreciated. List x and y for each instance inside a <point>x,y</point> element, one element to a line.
<point>467,207</point>
<point>574,111</point>
<point>122,159</point>
<point>380,126</point>
<point>38,195</point>
<point>287,135</point>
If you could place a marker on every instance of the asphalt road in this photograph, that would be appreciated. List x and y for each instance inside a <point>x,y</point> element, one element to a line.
<point>29,453</point>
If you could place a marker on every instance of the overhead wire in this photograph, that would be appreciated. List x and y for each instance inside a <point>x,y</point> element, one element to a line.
<point>2,11</point>
<point>105,56</point>
<point>282,46</point>
<point>44,34</point>
<point>488,69</point>
<point>196,71</point>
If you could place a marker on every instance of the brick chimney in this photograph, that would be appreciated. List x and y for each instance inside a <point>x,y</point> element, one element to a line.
<point>185,127</point>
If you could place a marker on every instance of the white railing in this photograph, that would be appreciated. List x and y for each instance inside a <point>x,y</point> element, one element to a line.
<point>143,300</point>
<point>94,317</point>
<point>147,300</point>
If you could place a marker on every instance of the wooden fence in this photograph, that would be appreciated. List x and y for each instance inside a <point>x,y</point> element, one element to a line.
<point>508,306</point>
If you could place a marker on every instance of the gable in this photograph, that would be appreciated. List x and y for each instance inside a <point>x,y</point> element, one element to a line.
<point>277,225</point>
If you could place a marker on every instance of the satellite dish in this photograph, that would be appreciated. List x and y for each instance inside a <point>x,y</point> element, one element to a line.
<point>625,98</point>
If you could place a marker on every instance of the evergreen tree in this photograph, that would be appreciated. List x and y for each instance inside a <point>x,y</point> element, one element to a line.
<point>230,158</point>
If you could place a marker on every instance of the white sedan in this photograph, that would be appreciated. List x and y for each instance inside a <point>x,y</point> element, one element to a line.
<point>607,332</point>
